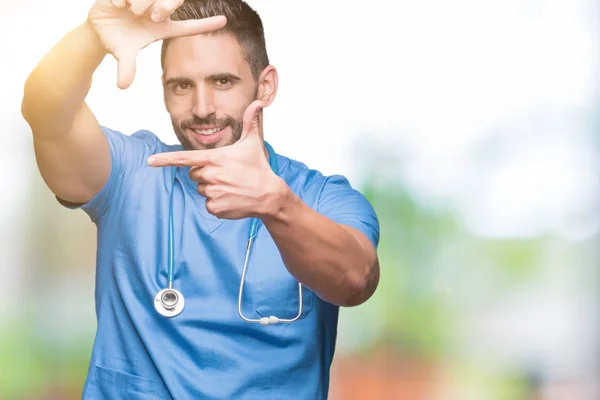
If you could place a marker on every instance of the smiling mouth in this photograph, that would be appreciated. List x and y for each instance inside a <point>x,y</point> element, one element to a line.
<point>207,132</point>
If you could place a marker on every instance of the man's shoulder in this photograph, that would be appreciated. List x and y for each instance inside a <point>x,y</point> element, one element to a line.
<point>141,138</point>
<point>294,171</point>
<point>146,136</point>
<point>304,179</point>
<point>142,135</point>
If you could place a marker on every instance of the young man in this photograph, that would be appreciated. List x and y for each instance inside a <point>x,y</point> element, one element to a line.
<point>184,311</point>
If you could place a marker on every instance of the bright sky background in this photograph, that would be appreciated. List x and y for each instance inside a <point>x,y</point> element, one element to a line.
<point>488,104</point>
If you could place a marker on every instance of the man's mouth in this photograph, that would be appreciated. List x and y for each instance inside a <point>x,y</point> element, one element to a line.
<point>207,132</point>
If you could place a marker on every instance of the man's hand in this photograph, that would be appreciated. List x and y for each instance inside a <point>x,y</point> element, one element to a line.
<point>124,27</point>
<point>236,180</point>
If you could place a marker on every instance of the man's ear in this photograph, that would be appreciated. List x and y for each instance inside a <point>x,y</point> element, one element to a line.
<point>268,82</point>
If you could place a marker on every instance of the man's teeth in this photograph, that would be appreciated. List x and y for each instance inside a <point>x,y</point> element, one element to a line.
<point>208,131</point>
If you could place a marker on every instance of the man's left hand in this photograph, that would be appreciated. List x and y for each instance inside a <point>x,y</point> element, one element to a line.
<point>236,180</point>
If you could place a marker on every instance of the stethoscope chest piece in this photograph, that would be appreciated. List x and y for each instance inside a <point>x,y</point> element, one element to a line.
<point>169,302</point>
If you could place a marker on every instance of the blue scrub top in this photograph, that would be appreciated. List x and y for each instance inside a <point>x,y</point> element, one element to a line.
<point>207,351</point>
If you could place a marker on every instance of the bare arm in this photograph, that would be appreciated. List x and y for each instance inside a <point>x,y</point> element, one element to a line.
<point>71,151</point>
<point>336,261</point>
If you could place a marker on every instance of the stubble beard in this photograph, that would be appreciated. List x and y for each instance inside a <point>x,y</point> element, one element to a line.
<point>189,143</point>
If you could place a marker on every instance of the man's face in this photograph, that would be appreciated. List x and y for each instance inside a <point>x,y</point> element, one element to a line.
<point>207,86</point>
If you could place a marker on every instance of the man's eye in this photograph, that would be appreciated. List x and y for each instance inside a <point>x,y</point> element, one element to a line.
<point>180,88</point>
<point>223,82</point>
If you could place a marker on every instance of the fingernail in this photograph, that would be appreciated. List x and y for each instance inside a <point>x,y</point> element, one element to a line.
<point>156,17</point>
<point>151,161</point>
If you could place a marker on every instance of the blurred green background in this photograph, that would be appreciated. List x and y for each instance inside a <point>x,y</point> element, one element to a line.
<point>471,126</point>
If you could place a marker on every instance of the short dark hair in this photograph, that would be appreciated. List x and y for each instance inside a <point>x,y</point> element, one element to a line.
<point>242,21</point>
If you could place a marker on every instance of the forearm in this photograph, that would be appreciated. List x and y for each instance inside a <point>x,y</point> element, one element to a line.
<point>321,254</point>
<point>57,87</point>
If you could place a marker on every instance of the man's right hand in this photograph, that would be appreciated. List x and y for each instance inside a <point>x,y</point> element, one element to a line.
<point>124,27</point>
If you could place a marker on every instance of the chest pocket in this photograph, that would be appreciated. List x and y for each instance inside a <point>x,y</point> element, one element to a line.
<point>110,384</point>
<point>275,290</point>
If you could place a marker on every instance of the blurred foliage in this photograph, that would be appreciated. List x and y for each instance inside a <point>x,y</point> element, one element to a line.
<point>32,368</point>
<point>413,318</point>
<point>428,264</point>
<point>45,352</point>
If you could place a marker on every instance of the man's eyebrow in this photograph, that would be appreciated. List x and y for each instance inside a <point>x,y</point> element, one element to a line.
<point>178,80</point>
<point>224,75</point>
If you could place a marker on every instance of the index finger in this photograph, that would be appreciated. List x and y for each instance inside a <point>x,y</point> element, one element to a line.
<point>193,27</point>
<point>164,8</point>
<point>185,158</point>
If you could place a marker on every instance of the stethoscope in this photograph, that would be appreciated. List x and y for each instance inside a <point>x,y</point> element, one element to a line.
<point>169,302</point>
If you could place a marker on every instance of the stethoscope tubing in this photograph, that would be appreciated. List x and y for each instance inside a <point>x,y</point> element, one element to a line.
<point>253,231</point>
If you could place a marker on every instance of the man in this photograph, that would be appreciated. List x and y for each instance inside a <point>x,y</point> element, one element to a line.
<point>315,230</point>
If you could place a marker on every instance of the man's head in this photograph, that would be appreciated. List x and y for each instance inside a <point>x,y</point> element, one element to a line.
<point>210,79</point>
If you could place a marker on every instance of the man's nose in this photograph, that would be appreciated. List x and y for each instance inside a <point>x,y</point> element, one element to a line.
<point>203,102</point>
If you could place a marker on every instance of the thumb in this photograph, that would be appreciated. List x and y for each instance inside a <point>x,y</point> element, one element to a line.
<point>250,119</point>
<point>125,69</point>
